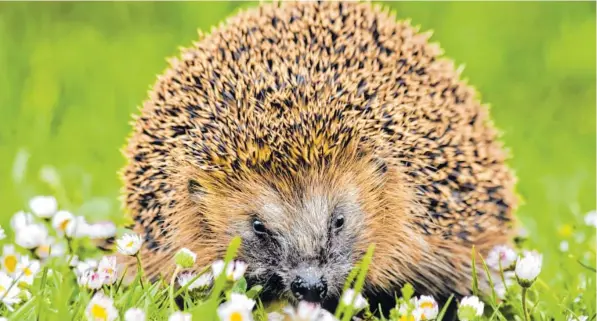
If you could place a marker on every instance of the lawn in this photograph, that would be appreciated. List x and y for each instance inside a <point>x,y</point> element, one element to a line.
<point>73,73</point>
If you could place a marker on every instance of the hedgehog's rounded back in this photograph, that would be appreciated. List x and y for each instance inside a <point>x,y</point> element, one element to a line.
<point>305,126</point>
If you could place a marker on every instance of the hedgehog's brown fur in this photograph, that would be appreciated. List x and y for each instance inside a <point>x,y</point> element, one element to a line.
<point>326,93</point>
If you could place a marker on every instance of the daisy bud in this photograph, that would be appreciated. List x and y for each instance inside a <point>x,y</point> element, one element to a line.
<point>185,258</point>
<point>43,206</point>
<point>528,267</point>
<point>129,244</point>
<point>470,308</point>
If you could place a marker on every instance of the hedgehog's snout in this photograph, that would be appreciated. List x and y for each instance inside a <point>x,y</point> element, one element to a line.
<point>309,285</point>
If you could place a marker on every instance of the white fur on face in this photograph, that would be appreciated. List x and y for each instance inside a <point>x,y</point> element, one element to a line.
<point>302,238</point>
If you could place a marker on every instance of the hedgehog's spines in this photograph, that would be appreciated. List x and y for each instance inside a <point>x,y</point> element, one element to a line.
<point>286,91</point>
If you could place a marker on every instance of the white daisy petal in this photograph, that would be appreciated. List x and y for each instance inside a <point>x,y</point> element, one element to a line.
<point>101,308</point>
<point>129,244</point>
<point>43,206</point>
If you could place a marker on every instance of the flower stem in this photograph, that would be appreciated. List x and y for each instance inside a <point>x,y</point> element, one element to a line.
<point>172,303</point>
<point>70,246</point>
<point>140,270</point>
<point>524,303</point>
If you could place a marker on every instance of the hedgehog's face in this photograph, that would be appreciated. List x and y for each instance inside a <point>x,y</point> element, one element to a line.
<point>302,249</point>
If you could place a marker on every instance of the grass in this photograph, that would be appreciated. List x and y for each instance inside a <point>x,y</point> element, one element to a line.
<point>74,72</point>
<point>57,293</point>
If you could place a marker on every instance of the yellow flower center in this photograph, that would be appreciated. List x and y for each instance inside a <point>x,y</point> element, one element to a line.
<point>407,318</point>
<point>63,224</point>
<point>129,244</point>
<point>566,230</point>
<point>236,316</point>
<point>2,289</point>
<point>427,305</point>
<point>27,272</point>
<point>43,249</point>
<point>98,312</point>
<point>10,262</point>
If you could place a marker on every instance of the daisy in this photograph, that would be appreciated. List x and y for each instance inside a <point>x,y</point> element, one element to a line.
<point>234,271</point>
<point>427,307</point>
<point>591,218</point>
<point>27,269</point>
<point>179,316</point>
<point>564,246</point>
<point>579,318</point>
<point>31,236</point>
<point>61,220</point>
<point>501,255</point>
<point>528,267</point>
<point>102,230</point>
<point>50,248</point>
<point>84,266</point>
<point>10,259</point>
<point>407,312</point>
<point>77,227</point>
<point>101,308</point>
<point>20,220</point>
<point>238,308</point>
<point>304,311</point>
<point>43,206</point>
<point>200,282</point>
<point>358,303</point>
<point>129,244</point>
<point>134,314</point>
<point>107,269</point>
<point>91,280</point>
<point>9,291</point>
<point>501,288</point>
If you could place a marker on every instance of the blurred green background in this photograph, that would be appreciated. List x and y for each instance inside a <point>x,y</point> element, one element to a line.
<point>71,75</point>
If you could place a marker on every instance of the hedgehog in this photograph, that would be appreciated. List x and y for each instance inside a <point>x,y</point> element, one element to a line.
<point>312,130</point>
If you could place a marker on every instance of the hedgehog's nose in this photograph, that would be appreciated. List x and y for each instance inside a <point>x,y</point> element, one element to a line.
<point>309,288</point>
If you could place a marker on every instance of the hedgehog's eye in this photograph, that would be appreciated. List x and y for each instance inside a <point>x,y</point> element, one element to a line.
<point>259,228</point>
<point>339,222</point>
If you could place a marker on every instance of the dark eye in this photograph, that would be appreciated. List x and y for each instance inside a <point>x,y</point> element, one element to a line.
<point>258,227</point>
<point>339,222</point>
